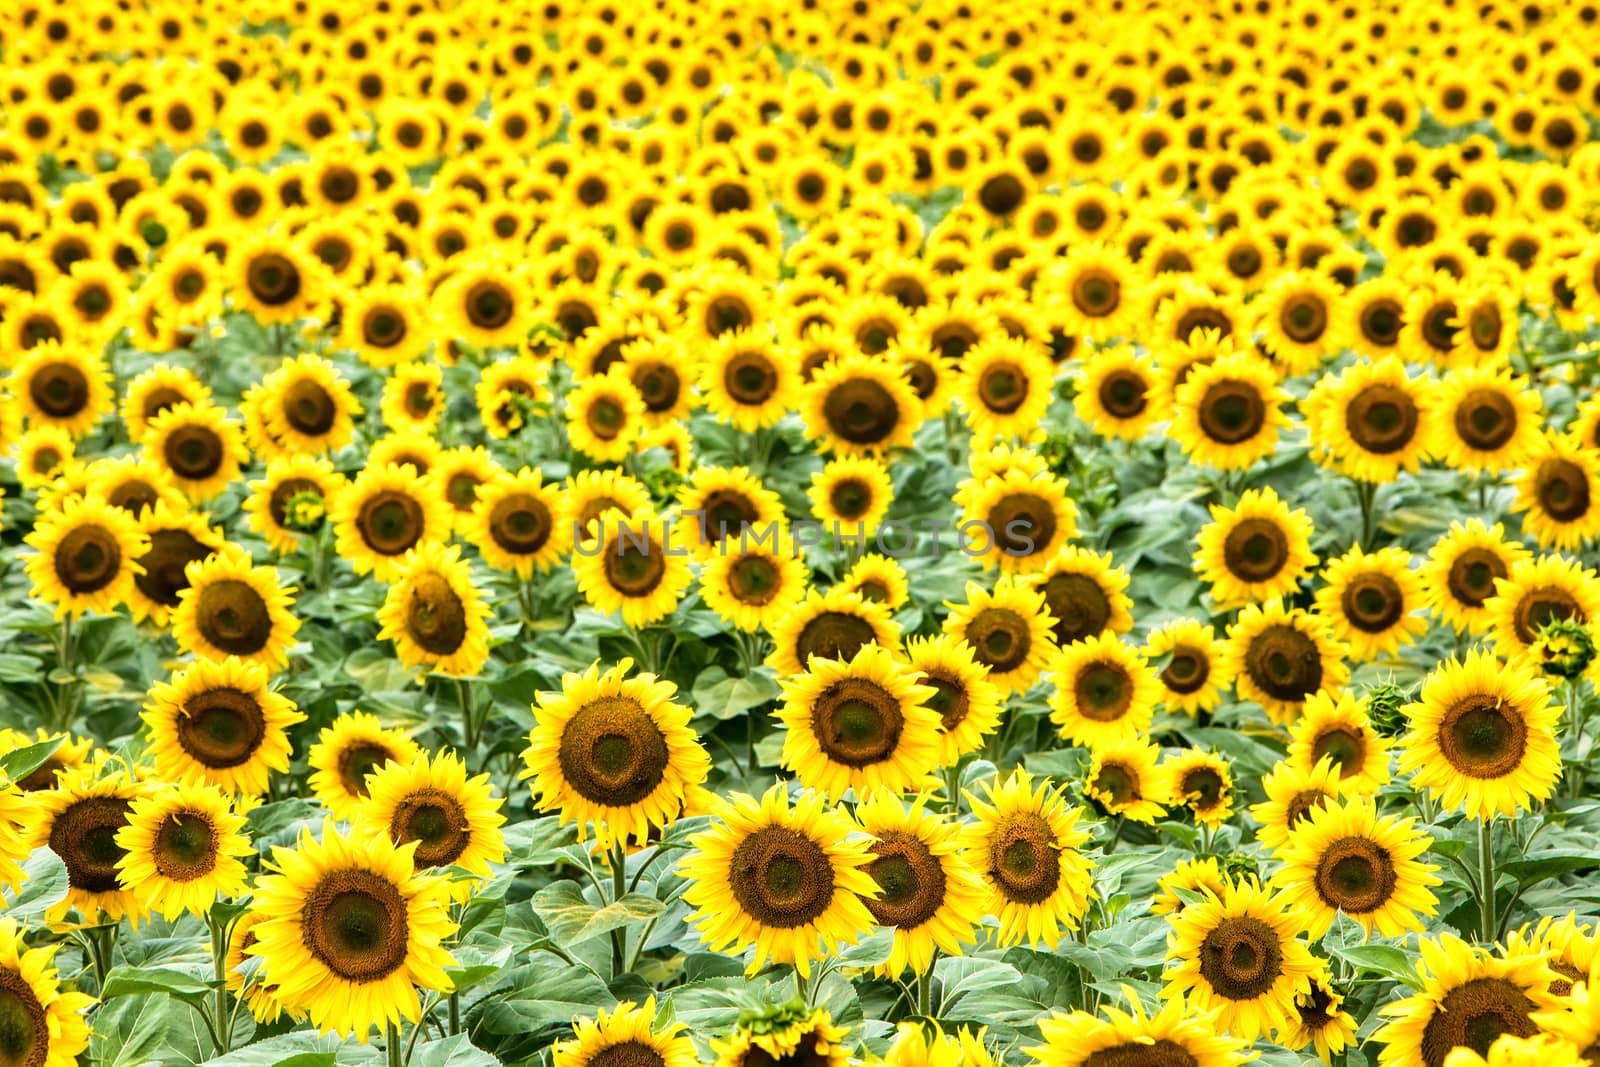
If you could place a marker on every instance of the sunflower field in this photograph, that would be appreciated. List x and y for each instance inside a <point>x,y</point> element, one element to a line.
<point>799,533</point>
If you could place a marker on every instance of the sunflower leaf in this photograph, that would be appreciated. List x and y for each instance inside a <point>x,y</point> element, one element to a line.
<point>21,762</point>
<point>44,885</point>
<point>571,919</point>
<point>139,981</point>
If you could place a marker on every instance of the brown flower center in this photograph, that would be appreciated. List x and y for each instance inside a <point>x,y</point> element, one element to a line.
<point>88,559</point>
<point>1485,419</point>
<point>911,877</point>
<point>1284,663</point>
<point>612,752</point>
<point>355,924</point>
<point>857,722</point>
<point>1483,737</point>
<point>1382,419</point>
<point>84,835</point>
<point>1024,858</point>
<point>1232,411</point>
<point>1372,602</point>
<point>436,822</point>
<point>1256,550</point>
<point>1473,1015</point>
<point>232,616</point>
<point>221,728</point>
<point>1562,488</point>
<point>1000,639</point>
<point>1241,958</point>
<point>860,411</point>
<point>780,877</point>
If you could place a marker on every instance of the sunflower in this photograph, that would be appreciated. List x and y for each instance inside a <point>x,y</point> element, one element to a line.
<point>1371,420</point>
<point>383,514</point>
<point>860,405</point>
<point>614,754</point>
<point>1483,736</point>
<point>1299,315</point>
<point>1239,954</point>
<point>746,381</point>
<point>78,820</point>
<point>931,896</point>
<point>1459,575</point>
<point>292,501</point>
<point>1468,998</point>
<point>257,994</point>
<point>1540,589</point>
<point>1508,1050</point>
<point>178,537</point>
<point>1104,692</point>
<point>202,448</point>
<point>309,407</point>
<point>1337,729</point>
<point>515,520</point>
<point>154,391</point>
<point>233,608</point>
<point>1123,780</point>
<point>829,626</point>
<point>728,506</point>
<point>45,1025</point>
<point>853,491</point>
<point>1119,394</point>
<point>1559,491</point>
<point>924,1044</point>
<point>435,615</point>
<point>413,397</point>
<point>71,751</point>
<point>41,454</point>
<point>633,570</point>
<point>1257,550</point>
<point>135,484</point>
<point>85,556</point>
<point>1009,630</point>
<point>1180,1033</point>
<point>1292,793</point>
<point>486,303</point>
<point>348,931</point>
<point>454,820</point>
<point>218,722</point>
<point>275,280</point>
<point>791,880</point>
<point>1485,420</point>
<point>604,416</point>
<point>1279,657</point>
<point>591,495</point>
<point>347,753</point>
<point>1567,945</point>
<point>751,586</point>
<point>1194,674</point>
<point>406,448</point>
<point>1025,844</point>
<point>1018,520</point>
<point>967,703</point>
<point>1342,857</point>
<point>1320,1020</point>
<point>182,849</point>
<point>1228,413</point>
<point>1190,878</point>
<point>1370,600</point>
<point>627,1034</point>
<point>861,724</point>
<point>61,385</point>
<point>1203,782</point>
<point>1095,288</point>
<point>1084,594</point>
<point>1005,386</point>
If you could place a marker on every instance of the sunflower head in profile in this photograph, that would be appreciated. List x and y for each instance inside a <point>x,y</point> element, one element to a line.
<point>347,753</point>
<point>634,569</point>
<point>349,931</point>
<point>1123,780</point>
<point>1469,998</point>
<point>79,820</point>
<point>217,721</point>
<point>435,615</point>
<point>232,608</point>
<point>1293,792</point>
<point>1280,657</point>
<point>614,754</point>
<point>1459,575</point>
<point>1371,601</point>
<point>861,404</point>
<point>1104,691</point>
<point>860,724</point>
<point>1344,857</point>
<point>1202,782</point>
<point>85,556</point>
<point>789,880</point>
<point>1025,844</point>
<point>45,1024</point>
<point>1257,550</point>
<point>1009,630</point>
<point>182,849</point>
<point>511,394</point>
<point>628,1036</point>
<point>383,514</point>
<point>1180,1033</point>
<point>1483,736</point>
<point>1192,669</point>
<point>454,819</point>
<point>1240,955</point>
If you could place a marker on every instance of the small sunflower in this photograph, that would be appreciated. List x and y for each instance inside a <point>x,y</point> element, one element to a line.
<point>435,615</point>
<point>454,820</point>
<point>413,397</point>
<point>829,626</point>
<point>516,522</point>
<point>233,608</point>
<point>1095,287</point>
<point>1180,1033</point>
<point>1370,421</point>
<point>1017,520</point>
<point>746,381</point>
<point>877,578</point>
<point>1320,1020</point>
<point>1124,781</point>
<point>1085,594</point>
<point>629,1033</point>
<point>85,556</point>
<point>604,416</point>
<point>309,407</point>
<point>590,495</point>
<point>1009,630</point>
<point>1229,413</point>
<point>1255,551</point>
<point>59,385</point>
<point>861,405</point>
<point>383,514</point>
<point>752,587</point>
<point>1484,420</point>
<point>1336,728</point>
<point>1292,792</point>
<point>1194,673</point>
<point>486,303</point>
<point>218,722</point>
<point>347,753</point>
<point>292,501</point>
<point>1559,493</point>
<point>203,450</point>
<point>182,849</point>
<point>276,281</point>
<point>967,703</point>
<point>1567,945</point>
<point>1462,568</point>
<point>633,570</point>
<point>1119,394</point>
<point>1105,692</point>
<point>1005,386</point>
<point>1279,657</point>
<point>1195,878</point>
<point>1540,589</point>
<point>852,491</point>
<point>728,506</point>
<point>1203,782</point>
<point>78,820</point>
<point>1371,601</point>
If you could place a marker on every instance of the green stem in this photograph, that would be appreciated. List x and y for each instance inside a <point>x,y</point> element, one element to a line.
<point>1116,838</point>
<point>619,889</point>
<point>925,993</point>
<point>1576,725</point>
<point>103,945</point>
<point>1489,927</point>
<point>469,723</point>
<point>527,601</point>
<point>223,1030</point>
<point>66,711</point>
<point>1367,495</point>
<point>391,1046</point>
<point>454,1009</point>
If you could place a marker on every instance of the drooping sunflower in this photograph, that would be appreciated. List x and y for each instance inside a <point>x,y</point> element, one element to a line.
<point>633,569</point>
<point>851,491</point>
<point>1559,494</point>
<point>746,381</point>
<point>1540,589</point>
<point>1105,692</point>
<point>1123,779</point>
<point>1085,594</point>
<point>1025,845</point>
<point>434,613</point>
<point>1371,601</point>
<point>627,1034</point>
<point>1255,551</point>
<point>1468,998</point>
<point>308,406</point>
<point>1483,736</point>
<point>613,754</point>
<point>61,385</point>
<point>792,881</point>
<point>1320,1019</point>
<point>45,1025</point>
<point>861,724</point>
<point>727,507</point>
<point>1342,857</point>
<point>349,931</point>
<point>1292,792</point>
<point>1194,673</point>
<point>1461,570</point>
<point>203,449</point>
<point>346,753</point>
<point>233,608</point>
<point>1240,955</point>
<point>753,587</point>
<point>183,848</point>
<point>967,703</point>
<point>78,820</point>
<point>829,626</point>
<point>1180,1033</point>
<point>932,897</point>
<point>454,820</point>
<point>292,501</point>
<point>1371,420</point>
<point>604,416</point>
<point>385,513</point>
<point>1280,656</point>
<point>85,556</point>
<point>1229,413</point>
<point>1005,386</point>
<point>216,720</point>
<point>1017,520</point>
<point>1119,394</point>
<point>1009,630</point>
<point>861,405</point>
<point>1484,420</point>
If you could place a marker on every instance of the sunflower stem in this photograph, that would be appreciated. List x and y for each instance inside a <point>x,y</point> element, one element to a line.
<point>453,1008</point>
<point>1489,926</point>
<point>619,889</point>
<point>66,709</point>
<point>1576,725</point>
<point>391,1046</point>
<point>925,991</point>
<point>222,1030</point>
<point>469,725</point>
<point>1367,496</point>
<point>1116,838</point>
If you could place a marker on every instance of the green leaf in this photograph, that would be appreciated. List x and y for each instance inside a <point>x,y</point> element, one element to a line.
<point>44,885</point>
<point>21,762</point>
<point>1534,869</point>
<point>717,694</point>
<point>1385,960</point>
<point>870,950</point>
<point>571,919</point>
<point>301,1049</point>
<point>543,995</point>
<point>454,1051</point>
<point>137,981</point>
